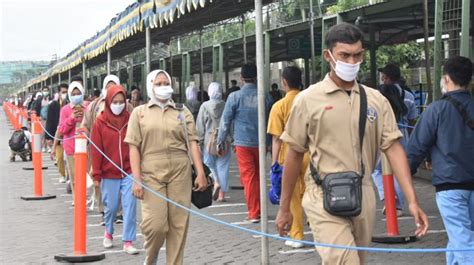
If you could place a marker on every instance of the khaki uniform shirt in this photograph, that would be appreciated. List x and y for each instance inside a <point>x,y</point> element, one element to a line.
<point>325,120</point>
<point>159,133</point>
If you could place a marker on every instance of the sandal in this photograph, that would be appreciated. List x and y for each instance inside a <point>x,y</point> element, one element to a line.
<point>215,193</point>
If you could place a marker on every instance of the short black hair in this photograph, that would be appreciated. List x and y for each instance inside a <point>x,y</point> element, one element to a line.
<point>77,78</point>
<point>392,71</point>
<point>344,33</point>
<point>459,69</point>
<point>233,82</point>
<point>249,71</point>
<point>62,85</point>
<point>274,86</point>
<point>96,92</point>
<point>135,88</point>
<point>292,76</point>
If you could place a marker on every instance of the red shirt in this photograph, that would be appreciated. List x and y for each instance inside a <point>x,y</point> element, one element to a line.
<point>110,140</point>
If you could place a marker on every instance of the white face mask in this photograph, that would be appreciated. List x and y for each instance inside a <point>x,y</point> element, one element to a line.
<point>63,96</point>
<point>442,85</point>
<point>117,108</point>
<point>163,92</point>
<point>346,71</point>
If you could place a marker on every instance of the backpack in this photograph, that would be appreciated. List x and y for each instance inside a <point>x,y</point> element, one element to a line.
<point>17,141</point>
<point>211,146</point>
<point>397,101</point>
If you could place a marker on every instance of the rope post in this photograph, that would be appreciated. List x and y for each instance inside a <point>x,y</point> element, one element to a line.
<point>18,118</point>
<point>392,235</point>
<point>37,164</point>
<point>15,118</point>
<point>80,210</point>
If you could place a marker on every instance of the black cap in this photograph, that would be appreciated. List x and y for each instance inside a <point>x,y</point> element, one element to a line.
<point>249,71</point>
<point>392,71</point>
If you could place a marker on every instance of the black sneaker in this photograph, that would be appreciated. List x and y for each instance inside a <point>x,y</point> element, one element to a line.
<point>119,219</point>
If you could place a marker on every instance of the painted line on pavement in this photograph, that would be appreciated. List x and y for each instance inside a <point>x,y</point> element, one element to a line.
<point>115,236</point>
<point>294,251</point>
<point>435,231</point>
<point>224,214</point>
<point>249,223</point>
<point>66,195</point>
<point>119,251</point>
<point>226,205</point>
<point>304,233</point>
<point>410,218</point>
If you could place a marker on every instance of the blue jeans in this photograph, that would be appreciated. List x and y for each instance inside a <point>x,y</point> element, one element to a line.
<point>219,167</point>
<point>378,181</point>
<point>457,209</point>
<point>115,191</point>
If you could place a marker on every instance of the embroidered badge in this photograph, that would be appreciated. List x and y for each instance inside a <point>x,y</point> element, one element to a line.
<point>371,114</point>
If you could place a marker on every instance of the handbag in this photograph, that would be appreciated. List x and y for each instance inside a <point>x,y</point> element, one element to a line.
<point>342,191</point>
<point>274,193</point>
<point>200,199</point>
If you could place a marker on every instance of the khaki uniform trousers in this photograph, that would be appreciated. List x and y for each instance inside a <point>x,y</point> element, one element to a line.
<point>60,160</point>
<point>330,229</point>
<point>160,220</point>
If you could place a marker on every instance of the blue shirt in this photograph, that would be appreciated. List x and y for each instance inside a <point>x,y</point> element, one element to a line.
<point>442,133</point>
<point>241,111</point>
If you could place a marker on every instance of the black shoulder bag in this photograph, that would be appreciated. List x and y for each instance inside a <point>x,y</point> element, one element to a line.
<point>462,111</point>
<point>342,192</point>
<point>200,199</point>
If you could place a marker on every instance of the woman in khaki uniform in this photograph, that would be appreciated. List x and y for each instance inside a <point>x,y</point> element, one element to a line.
<point>159,159</point>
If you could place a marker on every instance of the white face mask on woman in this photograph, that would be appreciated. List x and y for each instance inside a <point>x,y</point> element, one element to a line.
<point>346,71</point>
<point>117,108</point>
<point>163,92</point>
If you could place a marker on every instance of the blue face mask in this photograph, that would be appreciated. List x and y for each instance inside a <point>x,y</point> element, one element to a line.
<point>76,100</point>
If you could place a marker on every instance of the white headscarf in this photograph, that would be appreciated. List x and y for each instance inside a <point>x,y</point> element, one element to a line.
<point>108,79</point>
<point>191,93</point>
<point>73,86</point>
<point>215,91</point>
<point>149,83</point>
<point>38,94</point>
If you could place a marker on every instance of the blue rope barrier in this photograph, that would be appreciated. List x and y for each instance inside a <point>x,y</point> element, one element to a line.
<point>255,232</point>
<point>55,138</point>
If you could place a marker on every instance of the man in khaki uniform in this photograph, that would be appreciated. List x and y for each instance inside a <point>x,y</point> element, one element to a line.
<point>325,121</point>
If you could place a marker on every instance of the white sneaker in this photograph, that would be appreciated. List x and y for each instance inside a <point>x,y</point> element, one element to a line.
<point>293,244</point>
<point>107,243</point>
<point>62,180</point>
<point>130,249</point>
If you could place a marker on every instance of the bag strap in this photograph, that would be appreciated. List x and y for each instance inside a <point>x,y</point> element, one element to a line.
<point>362,123</point>
<point>186,133</point>
<point>462,111</point>
<point>213,119</point>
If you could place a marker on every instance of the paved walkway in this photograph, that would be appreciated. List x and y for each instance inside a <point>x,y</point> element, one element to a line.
<point>32,232</point>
